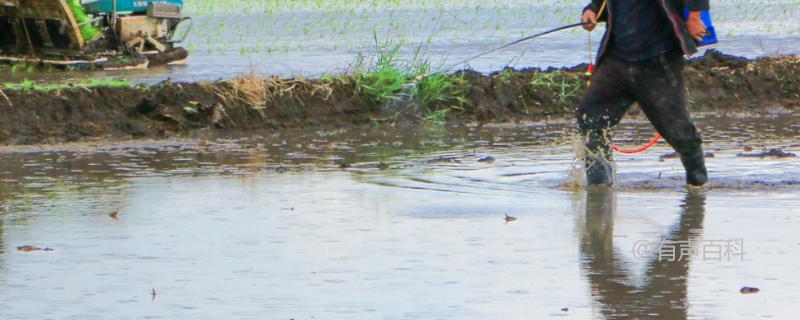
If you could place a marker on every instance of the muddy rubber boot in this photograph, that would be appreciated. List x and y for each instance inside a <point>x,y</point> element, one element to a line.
<point>599,173</point>
<point>695,165</point>
<point>597,155</point>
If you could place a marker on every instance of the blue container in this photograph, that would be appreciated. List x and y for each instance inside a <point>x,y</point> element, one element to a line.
<point>711,36</point>
<point>106,6</point>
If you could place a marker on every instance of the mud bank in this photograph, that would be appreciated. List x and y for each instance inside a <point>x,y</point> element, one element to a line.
<point>716,83</point>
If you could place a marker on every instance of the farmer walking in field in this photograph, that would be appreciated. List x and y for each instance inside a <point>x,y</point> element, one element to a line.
<point>641,60</point>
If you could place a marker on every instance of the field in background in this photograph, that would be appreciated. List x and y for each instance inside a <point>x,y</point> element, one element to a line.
<point>313,38</point>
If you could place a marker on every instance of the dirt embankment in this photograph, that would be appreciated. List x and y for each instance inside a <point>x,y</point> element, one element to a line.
<point>716,83</point>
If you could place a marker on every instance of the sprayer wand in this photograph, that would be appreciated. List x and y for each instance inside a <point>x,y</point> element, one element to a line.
<point>515,42</point>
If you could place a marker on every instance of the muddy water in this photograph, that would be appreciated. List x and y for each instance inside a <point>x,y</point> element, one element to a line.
<point>303,39</point>
<point>393,223</point>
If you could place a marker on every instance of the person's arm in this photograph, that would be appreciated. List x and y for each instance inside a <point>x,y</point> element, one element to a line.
<point>594,6</point>
<point>694,23</point>
<point>590,14</point>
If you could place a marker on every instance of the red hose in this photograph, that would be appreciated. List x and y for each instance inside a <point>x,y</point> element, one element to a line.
<point>643,148</point>
<point>640,149</point>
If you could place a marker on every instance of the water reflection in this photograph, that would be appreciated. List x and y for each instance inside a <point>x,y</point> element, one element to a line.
<point>3,211</point>
<point>2,245</point>
<point>662,293</point>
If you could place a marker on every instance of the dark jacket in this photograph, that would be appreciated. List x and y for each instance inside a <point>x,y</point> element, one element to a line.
<point>674,10</point>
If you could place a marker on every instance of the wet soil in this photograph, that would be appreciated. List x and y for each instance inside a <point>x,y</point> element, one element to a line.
<point>716,83</point>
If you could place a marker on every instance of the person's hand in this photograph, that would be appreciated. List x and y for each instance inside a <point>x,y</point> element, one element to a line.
<point>589,16</point>
<point>695,26</point>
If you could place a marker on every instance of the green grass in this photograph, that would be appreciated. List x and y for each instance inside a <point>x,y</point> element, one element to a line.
<point>383,76</point>
<point>505,75</point>
<point>29,85</point>
<point>439,94</point>
<point>386,77</point>
<point>383,80</point>
<point>436,116</point>
<point>14,68</point>
<point>567,87</point>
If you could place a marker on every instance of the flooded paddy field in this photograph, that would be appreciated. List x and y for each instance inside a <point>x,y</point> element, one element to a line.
<point>221,196</point>
<point>383,223</point>
<point>314,38</point>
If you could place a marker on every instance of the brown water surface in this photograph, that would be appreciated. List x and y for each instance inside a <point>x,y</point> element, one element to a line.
<point>383,223</point>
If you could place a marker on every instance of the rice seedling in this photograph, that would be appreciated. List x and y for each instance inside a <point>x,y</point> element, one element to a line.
<point>291,27</point>
<point>88,31</point>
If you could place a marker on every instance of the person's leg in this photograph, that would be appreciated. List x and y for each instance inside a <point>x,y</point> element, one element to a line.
<point>602,107</point>
<point>660,91</point>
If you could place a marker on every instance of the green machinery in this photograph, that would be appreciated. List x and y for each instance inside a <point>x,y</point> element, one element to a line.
<point>99,34</point>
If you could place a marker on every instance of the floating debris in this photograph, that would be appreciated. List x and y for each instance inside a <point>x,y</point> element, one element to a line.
<point>486,159</point>
<point>114,215</point>
<point>502,145</point>
<point>749,290</point>
<point>371,165</point>
<point>564,309</point>
<point>445,159</point>
<point>775,152</point>
<point>344,165</point>
<point>32,248</point>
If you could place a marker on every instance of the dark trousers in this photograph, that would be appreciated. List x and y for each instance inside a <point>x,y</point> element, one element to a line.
<point>656,84</point>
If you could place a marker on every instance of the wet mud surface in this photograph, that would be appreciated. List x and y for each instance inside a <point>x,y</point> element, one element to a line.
<point>716,83</point>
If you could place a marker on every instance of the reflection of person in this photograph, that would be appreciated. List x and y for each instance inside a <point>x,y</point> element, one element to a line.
<point>2,245</point>
<point>641,60</point>
<point>663,294</point>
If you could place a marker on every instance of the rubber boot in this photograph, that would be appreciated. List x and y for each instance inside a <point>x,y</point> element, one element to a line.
<point>598,154</point>
<point>599,172</point>
<point>695,165</point>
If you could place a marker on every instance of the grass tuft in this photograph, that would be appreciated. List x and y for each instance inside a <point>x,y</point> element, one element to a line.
<point>439,94</point>
<point>385,75</point>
